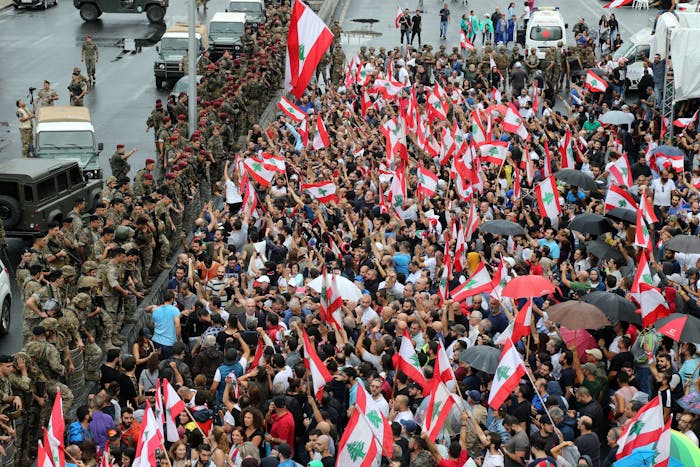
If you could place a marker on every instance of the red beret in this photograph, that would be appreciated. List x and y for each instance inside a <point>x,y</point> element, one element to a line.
<point>166,119</point>
<point>203,152</point>
<point>183,164</point>
<point>181,117</point>
<point>120,146</point>
<point>170,175</point>
<point>148,177</point>
<point>172,138</point>
<point>222,115</point>
<point>211,66</point>
<point>182,93</point>
<point>202,123</point>
<point>187,149</point>
<point>150,161</point>
<point>159,105</point>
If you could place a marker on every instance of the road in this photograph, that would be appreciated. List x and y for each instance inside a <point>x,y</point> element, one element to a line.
<point>38,45</point>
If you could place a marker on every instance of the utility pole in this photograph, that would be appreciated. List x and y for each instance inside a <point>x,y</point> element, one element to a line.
<point>192,69</point>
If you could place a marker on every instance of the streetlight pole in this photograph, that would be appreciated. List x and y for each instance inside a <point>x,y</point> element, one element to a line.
<point>192,69</point>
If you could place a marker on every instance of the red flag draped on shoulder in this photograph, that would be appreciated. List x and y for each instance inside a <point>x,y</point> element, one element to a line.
<point>319,373</point>
<point>407,361</point>
<point>309,38</point>
<point>508,374</point>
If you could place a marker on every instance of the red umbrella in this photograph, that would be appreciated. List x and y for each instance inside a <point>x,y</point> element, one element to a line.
<point>679,327</point>
<point>528,286</point>
<point>579,338</point>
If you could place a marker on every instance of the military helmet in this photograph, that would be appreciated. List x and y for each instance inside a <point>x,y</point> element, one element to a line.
<point>122,233</point>
<point>50,324</point>
<point>501,48</point>
<point>88,266</point>
<point>51,305</point>
<point>560,44</point>
<point>82,300</point>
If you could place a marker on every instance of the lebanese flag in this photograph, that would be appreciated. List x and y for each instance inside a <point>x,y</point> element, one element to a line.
<point>547,168</point>
<point>308,39</point>
<point>508,374</point>
<point>397,191</point>
<point>158,410</point>
<point>439,406</point>
<point>595,83</point>
<point>443,368</point>
<point>325,295</point>
<point>150,440</point>
<point>617,3</point>
<point>319,373</point>
<point>663,446</point>
<point>274,162</point>
<point>513,122</point>
<point>621,172</point>
<point>665,122</point>
<point>250,200</point>
<point>381,429</point>
<point>479,282</point>
<point>617,197</point>
<point>653,304</point>
<point>642,238</point>
<point>399,15</point>
<point>173,407</point>
<point>304,132</point>
<point>386,88</point>
<point>478,132</point>
<point>427,182</point>
<point>500,278</point>
<point>259,350</point>
<point>394,132</point>
<point>255,168</point>
<point>495,95</point>
<point>676,161</point>
<point>448,146</point>
<point>290,109</point>
<point>322,191</point>
<point>686,122</point>
<point>643,430</point>
<point>494,152</point>
<point>516,183</point>
<point>521,326</point>
<point>548,198</point>
<point>642,276</point>
<point>473,221</point>
<point>535,97</point>
<point>460,250</point>
<point>436,105</point>
<point>54,433</point>
<point>321,139</point>
<point>357,447</point>
<point>43,459</point>
<point>464,42</point>
<point>566,151</point>
<point>647,208</point>
<point>443,288</point>
<point>335,304</point>
<point>407,361</point>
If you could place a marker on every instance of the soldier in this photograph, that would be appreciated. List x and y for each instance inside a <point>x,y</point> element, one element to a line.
<point>558,66</point>
<point>501,60</point>
<point>118,161</point>
<point>69,289</point>
<point>337,33</point>
<point>532,62</point>
<point>33,310</point>
<point>57,247</point>
<point>46,96</point>
<point>77,214</point>
<point>80,308</point>
<point>337,64</point>
<point>77,90</point>
<point>321,69</point>
<point>25,119</point>
<point>90,55</point>
<point>23,379</point>
<point>114,293</point>
<point>8,398</point>
<point>22,273</point>
<point>155,120</point>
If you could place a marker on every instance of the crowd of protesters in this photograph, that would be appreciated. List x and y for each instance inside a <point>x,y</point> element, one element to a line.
<point>231,335</point>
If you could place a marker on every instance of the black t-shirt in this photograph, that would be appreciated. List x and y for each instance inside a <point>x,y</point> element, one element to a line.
<point>567,377</point>
<point>523,412</point>
<point>444,14</point>
<point>589,444</point>
<point>417,22</point>
<point>616,365</point>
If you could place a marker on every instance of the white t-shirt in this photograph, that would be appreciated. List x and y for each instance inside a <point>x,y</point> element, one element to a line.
<point>283,377</point>
<point>493,460</point>
<point>233,195</point>
<point>381,405</point>
<point>662,192</point>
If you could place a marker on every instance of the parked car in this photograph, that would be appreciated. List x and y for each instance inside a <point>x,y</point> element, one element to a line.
<point>43,4</point>
<point>5,300</point>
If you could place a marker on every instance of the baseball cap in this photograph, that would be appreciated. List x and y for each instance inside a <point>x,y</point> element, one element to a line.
<point>595,353</point>
<point>474,395</point>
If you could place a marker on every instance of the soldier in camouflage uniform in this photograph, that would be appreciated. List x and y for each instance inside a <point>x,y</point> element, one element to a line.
<point>23,378</point>
<point>69,289</point>
<point>532,63</point>
<point>90,55</point>
<point>37,298</point>
<point>114,293</point>
<point>118,161</point>
<point>148,168</point>
<point>337,64</point>
<point>501,60</point>
<point>155,120</point>
<point>337,34</point>
<point>322,69</point>
<point>95,320</point>
<point>77,314</point>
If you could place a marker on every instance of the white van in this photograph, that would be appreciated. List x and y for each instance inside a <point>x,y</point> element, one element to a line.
<point>254,10</point>
<point>545,28</point>
<point>635,50</point>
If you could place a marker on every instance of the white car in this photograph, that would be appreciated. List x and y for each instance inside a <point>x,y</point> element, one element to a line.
<point>5,300</point>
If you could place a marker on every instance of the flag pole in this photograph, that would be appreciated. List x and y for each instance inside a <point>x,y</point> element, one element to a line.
<point>541,400</point>
<point>165,452</point>
<point>195,421</point>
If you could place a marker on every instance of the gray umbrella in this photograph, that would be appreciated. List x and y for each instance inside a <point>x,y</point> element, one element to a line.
<point>576,178</point>
<point>622,214</point>
<point>616,117</point>
<point>602,250</point>
<point>591,223</point>
<point>502,227</point>
<point>683,244</point>
<point>482,357</point>
<point>615,307</point>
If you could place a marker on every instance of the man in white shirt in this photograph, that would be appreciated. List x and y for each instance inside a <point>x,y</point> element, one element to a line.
<point>662,188</point>
<point>685,426</point>
<point>365,311</point>
<point>284,372</point>
<point>376,400</point>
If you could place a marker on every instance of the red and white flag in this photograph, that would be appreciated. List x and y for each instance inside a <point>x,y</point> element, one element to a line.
<point>663,446</point>
<point>508,374</point>
<point>322,191</point>
<point>653,304</point>
<point>54,434</point>
<point>685,122</point>
<point>500,278</point>
<point>621,171</point>
<point>566,151</point>
<point>443,368</point>
<point>513,122</point>
<point>464,42</point>
<point>642,276</point>
<point>595,83</point>
<point>387,88</point>
<point>321,139</point>
<point>443,288</point>
<point>642,238</point>
<point>439,406</point>
<point>319,373</point>
<point>644,430</point>
<point>174,406</point>
<point>617,197</point>
<point>250,199</point>
<point>427,182</point>
<point>647,207</point>
<point>399,15</point>
<point>150,440</point>
<point>255,168</point>
<point>473,221</point>
<point>494,152</point>
<point>496,95</point>
<point>274,162</point>
<point>43,459</point>
<point>407,361</point>
<point>308,39</point>
<point>478,282</point>
<point>548,198</point>
<point>478,131</point>
<point>290,109</point>
<point>158,410</point>
<point>617,3</point>
<point>358,446</point>
<point>521,326</point>
<point>304,132</point>
<point>381,429</point>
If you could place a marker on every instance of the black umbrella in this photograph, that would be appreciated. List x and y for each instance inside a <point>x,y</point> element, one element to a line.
<point>600,249</point>
<point>615,307</point>
<point>576,178</point>
<point>683,244</point>
<point>622,214</point>
<point>482,357</point>
<point>591,223</point>
<point>502,227</point>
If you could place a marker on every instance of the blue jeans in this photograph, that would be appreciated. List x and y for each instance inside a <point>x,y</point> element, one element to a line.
<point>644,377</point>
<point>166,351</point>
<point>407,34</point>
<point>443,28</point>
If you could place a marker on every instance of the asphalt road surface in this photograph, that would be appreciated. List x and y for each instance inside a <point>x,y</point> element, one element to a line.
<point>38,45</point>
